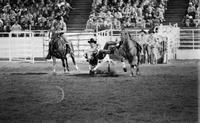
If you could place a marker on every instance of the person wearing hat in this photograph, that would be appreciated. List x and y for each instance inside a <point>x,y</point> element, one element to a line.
<point>142,41</point>
<point>191,10</point>
<point>151,46</point>
<point>58,27</point>
<point>93,44</point>
<point>91,54</point>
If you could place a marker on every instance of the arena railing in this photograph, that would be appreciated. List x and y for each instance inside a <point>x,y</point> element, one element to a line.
<point>189,39</point>
<point>169,34</point>
<point>34,44</point>
<point>36,33</point>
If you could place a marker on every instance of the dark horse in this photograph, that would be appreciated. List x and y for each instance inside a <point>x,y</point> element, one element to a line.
<point>127,49</point>
<point>60,49</point>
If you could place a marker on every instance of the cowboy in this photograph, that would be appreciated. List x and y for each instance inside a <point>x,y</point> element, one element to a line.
<point>91,54</point>
<point>94,53</point>
<point>58,28</point>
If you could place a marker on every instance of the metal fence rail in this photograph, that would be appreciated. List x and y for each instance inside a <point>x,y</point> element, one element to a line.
<point>25,45</point>
<point>189,39</point>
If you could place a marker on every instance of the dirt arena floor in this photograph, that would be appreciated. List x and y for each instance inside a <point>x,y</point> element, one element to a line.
<point>164,93</point>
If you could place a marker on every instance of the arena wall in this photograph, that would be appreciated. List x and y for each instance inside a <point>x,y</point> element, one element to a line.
<point>28,44</point>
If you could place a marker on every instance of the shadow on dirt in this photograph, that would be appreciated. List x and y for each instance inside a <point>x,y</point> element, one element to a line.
<point>28,73</point>
<point>84,75</point>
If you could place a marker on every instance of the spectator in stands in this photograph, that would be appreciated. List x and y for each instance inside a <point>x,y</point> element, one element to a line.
<point>149,11</point>
<point>134,12</point>
<point>1,25</point>
<point>139,11</point>
<point>102,14</point>
<point>197,18</point>
<point>160,13</point>
<point>116,24</point>
<point>198,11</point>
<point>194,2</point>
<point>27,11</point>
<point>121,3</point>
<point>16,27</point>
<point>191,10</point>
<point>90,24</point>
<point>197,22</point>
<point>7,27</point>
<point>126,11</point>
<point>97,3</point>
<point>189,20</point>
<point>140,23</point>
<point>118,14</point>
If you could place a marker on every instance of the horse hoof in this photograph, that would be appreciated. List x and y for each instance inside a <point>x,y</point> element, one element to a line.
<point>132,75</point>
<point>92,72</point>
<point>54,73</point>
<point>125,69</point>
<point>65,72</point>
<point>77,69</point>
<point>138,73</point>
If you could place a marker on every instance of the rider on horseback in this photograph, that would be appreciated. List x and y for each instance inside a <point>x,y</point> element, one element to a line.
<point>58,28</point>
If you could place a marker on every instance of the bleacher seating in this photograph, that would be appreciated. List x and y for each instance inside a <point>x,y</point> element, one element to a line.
<point>192,17</point>
<point>129,13</point>
<point>31,14</point>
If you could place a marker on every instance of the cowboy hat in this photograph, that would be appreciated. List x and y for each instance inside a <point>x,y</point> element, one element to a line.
<point>92,41</point>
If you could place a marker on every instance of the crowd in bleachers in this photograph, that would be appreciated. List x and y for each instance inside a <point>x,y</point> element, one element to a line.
<point>18,15</point>
<point>126,13</point>
<point>192,18</point>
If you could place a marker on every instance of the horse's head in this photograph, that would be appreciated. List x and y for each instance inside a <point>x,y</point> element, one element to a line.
<point>124,38</point>
<point>127,42</point>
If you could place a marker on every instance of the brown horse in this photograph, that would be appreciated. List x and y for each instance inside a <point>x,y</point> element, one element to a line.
<point>59,49</point>
<point>128,49</point>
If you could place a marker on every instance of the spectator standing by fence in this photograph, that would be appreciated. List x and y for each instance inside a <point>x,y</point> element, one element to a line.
<point>16,27</point>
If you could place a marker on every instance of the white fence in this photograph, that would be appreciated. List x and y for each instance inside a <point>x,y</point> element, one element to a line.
<point>189,44</point>
<point>168,34</point>
<point>182,43</point>
<point>29,45</point>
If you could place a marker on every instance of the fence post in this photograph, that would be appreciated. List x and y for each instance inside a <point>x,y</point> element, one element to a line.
<point>78,45</point>
<point>193,39</point>
<point>10,48</point>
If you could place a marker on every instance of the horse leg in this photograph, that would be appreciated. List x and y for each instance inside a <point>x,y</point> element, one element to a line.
<point>63,63</point>
<point>133,74</point>
<point>67,66</point>
<point>137,66</point>
<point>124,65</point>
<point>149,54</point>
<point>54,64</point>
<point>73,60</point>
<point>144,54</point>
<point>133,64</point>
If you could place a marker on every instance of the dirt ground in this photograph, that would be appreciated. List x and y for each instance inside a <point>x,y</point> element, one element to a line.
<point>164,93</point>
